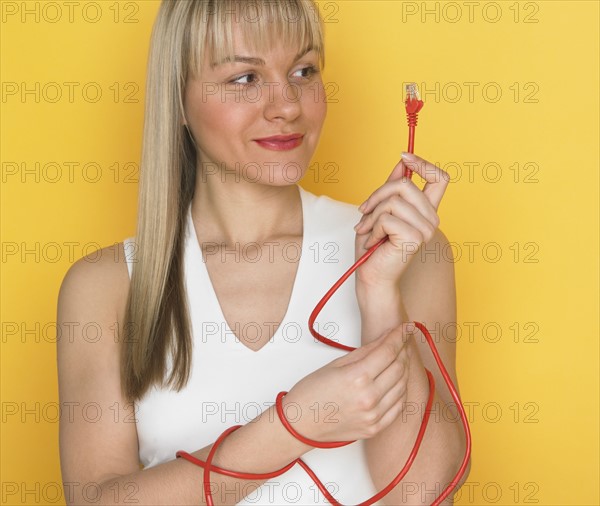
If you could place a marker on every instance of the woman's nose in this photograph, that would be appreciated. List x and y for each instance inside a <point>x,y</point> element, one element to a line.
<point>284,100</point>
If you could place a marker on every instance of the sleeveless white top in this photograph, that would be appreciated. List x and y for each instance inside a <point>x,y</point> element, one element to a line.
<point>231,385</point>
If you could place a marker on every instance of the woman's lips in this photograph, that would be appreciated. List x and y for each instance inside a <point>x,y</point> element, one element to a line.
<point>279,145</point>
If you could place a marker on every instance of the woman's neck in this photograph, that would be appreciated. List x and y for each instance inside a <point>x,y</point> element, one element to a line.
<point>241,213</point>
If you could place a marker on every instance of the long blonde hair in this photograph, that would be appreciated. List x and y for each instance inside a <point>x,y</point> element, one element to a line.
<point>156,316</point>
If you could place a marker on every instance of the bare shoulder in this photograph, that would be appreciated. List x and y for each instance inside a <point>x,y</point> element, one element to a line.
<point>100,278</point>
<point>99,443</point>
<point>91,299</point>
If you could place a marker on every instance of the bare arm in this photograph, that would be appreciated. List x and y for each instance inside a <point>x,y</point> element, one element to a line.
<point>98,439</point>
<point>426,295</point>
<point>260,446</point>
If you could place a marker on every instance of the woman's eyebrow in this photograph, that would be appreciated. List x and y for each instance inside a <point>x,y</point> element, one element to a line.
<point>254,60</point>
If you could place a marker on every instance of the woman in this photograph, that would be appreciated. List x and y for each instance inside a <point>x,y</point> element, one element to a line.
<point>192,335</point>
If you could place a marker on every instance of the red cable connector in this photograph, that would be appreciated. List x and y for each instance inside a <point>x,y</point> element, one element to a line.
<point>413,105</point>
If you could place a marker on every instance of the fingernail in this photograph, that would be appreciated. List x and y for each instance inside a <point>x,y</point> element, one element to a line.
<point>408,156</point>
<point>363,206</point>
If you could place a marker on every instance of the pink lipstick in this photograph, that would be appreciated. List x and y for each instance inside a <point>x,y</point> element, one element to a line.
<point>280,142</point>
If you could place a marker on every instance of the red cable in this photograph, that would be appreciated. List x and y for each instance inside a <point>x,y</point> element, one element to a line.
<point>413,106</point>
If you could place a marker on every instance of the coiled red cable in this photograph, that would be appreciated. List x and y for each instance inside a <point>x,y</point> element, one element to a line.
<point>413,106</point>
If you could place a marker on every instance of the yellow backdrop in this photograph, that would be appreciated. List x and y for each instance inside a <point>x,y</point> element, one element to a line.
<point>511,112</point>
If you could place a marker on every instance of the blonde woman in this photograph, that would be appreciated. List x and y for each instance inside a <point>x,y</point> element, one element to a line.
<point>204,317</point>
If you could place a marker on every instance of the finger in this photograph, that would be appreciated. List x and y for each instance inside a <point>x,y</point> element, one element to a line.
<point>358,353</point>
<point>392,375</point>
<point>401,209</point>
<point>378,359</point>
<point>390,415</point>
<point>397,171</point>
<point>393,395</point>
<point>437,179</point>
<point>400,234</point>
<point>409,191</point>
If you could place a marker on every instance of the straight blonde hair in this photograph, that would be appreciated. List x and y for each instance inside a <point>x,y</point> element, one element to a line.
<point>156,325</point>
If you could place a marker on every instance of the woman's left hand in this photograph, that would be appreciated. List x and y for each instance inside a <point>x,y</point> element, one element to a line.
<point>400,210</point>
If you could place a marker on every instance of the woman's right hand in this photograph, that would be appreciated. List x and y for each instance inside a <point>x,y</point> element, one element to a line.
<point>355,396</point>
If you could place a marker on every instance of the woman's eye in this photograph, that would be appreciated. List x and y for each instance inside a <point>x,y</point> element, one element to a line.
<point>311,70</point>
<point>236,81</point>
<point>250,78</point>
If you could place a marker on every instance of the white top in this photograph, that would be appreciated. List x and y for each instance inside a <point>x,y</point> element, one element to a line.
<point>231,385</point>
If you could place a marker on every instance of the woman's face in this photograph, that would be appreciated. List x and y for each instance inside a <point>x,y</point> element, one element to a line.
<point>237,103</point>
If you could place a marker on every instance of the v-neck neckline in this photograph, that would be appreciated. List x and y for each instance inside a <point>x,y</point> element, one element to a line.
<point>198,258</point>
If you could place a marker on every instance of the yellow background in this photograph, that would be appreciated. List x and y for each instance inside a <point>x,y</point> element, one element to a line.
<point>534,402</point>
